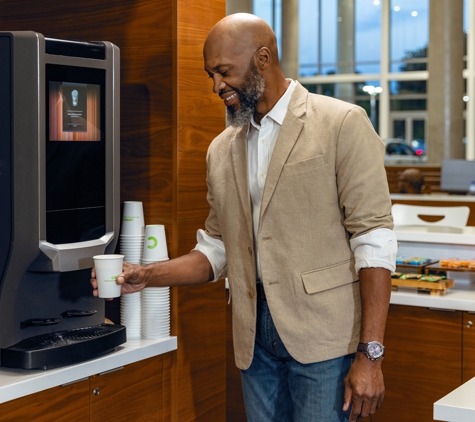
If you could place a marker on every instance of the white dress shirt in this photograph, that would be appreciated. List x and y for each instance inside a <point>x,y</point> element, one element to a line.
<point>377,248</point>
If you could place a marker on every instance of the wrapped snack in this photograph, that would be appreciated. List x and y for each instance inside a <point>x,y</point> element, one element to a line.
<point>446,262</point>
<point>418,261</point>
<point>400,260</point>
<point>396,275</point>
<point>410,276</point>
<point>433,278</point>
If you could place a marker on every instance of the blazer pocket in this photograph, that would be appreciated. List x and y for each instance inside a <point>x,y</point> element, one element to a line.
<point>304,165</point>
<point>329,277</point>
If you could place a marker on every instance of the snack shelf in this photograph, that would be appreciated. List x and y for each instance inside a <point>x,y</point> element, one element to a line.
<point>419,269</point>
<point>435,288</point>
<point>437,267</point>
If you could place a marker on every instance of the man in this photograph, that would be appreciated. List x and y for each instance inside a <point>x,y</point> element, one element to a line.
<point>300,224</point>
<point>410,181</point>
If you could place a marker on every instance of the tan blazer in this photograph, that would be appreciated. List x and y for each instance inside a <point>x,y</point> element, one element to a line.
<point>326,182</point>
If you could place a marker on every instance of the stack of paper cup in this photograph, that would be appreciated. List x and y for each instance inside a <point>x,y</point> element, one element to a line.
<point>155,244</point>
<point>131,246</point>
<point>132,232</point>
<point>155,312</point>
<point>155,300</point>
<point>130,314</point>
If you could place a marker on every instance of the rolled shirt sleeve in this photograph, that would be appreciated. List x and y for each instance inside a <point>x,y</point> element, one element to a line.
<point>376,249</point>
<point>214,250</point>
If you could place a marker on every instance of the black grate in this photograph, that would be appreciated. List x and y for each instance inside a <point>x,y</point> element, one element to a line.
<point>63,347</point>
<point>62,338</point>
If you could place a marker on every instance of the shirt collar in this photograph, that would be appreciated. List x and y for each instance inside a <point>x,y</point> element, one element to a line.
<point>279,111</point>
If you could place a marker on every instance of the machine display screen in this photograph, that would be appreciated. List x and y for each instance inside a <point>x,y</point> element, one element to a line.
<point>74,111</point>
<point>75,154</point>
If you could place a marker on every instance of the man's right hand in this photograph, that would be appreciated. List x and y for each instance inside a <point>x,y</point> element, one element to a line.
<point>131,279</point>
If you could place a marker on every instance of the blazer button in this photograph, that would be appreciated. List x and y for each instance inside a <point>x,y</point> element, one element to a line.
<point>250,250</point>
<point>250,294</point>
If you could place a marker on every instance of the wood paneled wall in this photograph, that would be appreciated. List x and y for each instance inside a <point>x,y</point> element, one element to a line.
<point>169,115</point>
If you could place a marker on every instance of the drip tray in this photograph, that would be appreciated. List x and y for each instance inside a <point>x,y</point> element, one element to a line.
<point>61,348</point>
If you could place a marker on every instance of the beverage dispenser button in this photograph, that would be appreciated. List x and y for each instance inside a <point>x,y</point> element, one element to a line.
<point>73,313</point>
<point>35,322</point>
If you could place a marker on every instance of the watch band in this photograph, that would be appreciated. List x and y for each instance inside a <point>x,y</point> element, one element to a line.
<point>362,347</point>
<point>373,350</point>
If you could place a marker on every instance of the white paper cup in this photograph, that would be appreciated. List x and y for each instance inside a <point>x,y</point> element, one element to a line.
<point>133,222</point>
<point>130,314</point>
<point>108,267</point>
<point>155,243</point>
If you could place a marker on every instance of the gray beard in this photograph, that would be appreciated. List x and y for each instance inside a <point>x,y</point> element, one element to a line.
<point>249,96</point>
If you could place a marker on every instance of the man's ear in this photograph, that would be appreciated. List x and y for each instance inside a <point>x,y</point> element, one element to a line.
<point>263,58</point>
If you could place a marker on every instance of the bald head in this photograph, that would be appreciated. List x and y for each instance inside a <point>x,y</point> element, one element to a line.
<point>411,181</point>
<point>242,32</point>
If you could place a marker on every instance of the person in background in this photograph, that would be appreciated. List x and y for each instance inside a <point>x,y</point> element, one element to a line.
<point>300,223</point>
<point>410,181</point>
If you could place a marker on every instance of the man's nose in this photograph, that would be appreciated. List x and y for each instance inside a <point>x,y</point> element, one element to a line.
<point>218,84</point>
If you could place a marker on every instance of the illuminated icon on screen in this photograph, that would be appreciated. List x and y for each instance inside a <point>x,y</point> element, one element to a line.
<point>75,95</point>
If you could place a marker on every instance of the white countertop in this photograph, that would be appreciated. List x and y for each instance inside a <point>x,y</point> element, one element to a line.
<point>432,197</point>
<point>461,297</point>
<point>457,406</point>
<point>15,383</point>
<point>436,234</point>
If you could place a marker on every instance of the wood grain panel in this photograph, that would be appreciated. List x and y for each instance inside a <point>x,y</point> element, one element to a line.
<point>200,113</point>
<point>133,393</point>
<point>147,121</point>
<point>199,321</point>
<point>169,386</point>
<point>422,363</point>
<point>201,366</point>
<point>468,360</point>
<point>235,411</point>
<point>61,404</point>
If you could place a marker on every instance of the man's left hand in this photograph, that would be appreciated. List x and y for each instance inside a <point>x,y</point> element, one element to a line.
<point>364,387</point>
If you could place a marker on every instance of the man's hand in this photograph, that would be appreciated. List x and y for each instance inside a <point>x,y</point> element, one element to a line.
<point>364,387</point>
<point>130,279</point>
<point>187,270</point>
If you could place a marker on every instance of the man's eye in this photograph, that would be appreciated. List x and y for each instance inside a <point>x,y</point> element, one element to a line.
<point>224,73</point>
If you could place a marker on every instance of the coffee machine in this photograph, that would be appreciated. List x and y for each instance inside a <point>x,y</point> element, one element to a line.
<point>59,196</point>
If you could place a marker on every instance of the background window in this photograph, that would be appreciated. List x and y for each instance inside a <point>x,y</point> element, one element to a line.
<point>409,26</point>
<point>367,36</point>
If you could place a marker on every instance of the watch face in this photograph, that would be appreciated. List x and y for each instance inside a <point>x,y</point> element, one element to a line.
<point>375,350</point>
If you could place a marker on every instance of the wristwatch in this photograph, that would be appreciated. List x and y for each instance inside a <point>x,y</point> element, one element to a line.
<point>373,350</point>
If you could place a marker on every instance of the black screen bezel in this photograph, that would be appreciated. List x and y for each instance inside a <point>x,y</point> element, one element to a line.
<point>75,191</point>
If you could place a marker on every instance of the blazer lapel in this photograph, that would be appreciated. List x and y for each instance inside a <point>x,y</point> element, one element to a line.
<point>239,154</point>
<point>288,135</point>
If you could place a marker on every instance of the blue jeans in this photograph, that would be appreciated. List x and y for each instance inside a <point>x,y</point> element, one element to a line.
<point>277,388</point>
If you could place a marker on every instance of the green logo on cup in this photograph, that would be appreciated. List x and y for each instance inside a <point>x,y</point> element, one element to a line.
<point>154,240</point>
<point>129,217</point>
